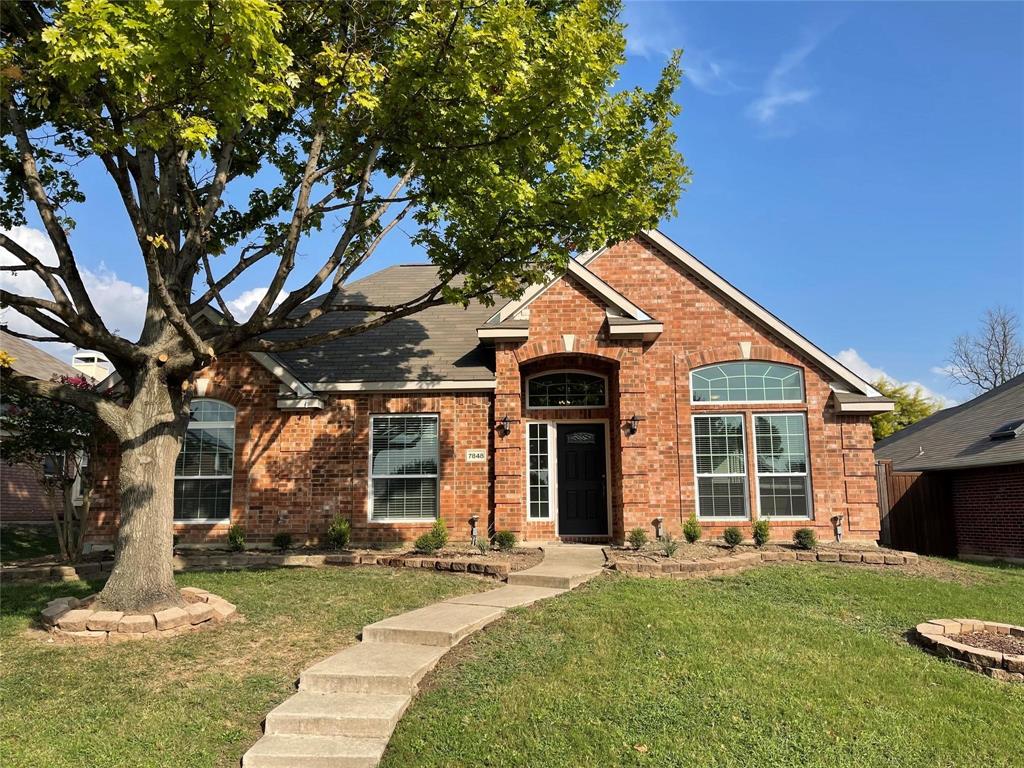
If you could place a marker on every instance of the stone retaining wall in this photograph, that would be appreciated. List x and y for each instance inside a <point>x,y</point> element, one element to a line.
<point>71,620</point>
<point>243,560</point>
<point>675,569</point>
<point>939,636</point>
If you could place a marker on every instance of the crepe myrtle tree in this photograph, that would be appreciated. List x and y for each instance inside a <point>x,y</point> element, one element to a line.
<point>491,132</point>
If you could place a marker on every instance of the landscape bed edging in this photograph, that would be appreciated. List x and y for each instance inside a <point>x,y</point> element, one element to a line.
<point>938,636</point>
<point>71,620</point>
<point>243,560</point>
<point>686,569</point>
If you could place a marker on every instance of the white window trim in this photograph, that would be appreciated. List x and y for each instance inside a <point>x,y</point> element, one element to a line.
<point>698,475</point>
<point>370,477</point>
<point>552,436</point>
<point>593,374</point>
<point>234,453</point>
<point>769,403</point>
<point>806,475</point>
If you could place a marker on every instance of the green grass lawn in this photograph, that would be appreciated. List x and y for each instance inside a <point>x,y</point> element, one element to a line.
<point>198,700</point>
<point>18,542</point>
<point>779,666</point>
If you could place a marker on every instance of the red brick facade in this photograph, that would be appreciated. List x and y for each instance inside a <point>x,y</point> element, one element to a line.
<point>22,498</point>
<point>296,470</point>
<point>988,507</point>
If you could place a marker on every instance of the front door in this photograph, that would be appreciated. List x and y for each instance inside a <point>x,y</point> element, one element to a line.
<point>582,484</point>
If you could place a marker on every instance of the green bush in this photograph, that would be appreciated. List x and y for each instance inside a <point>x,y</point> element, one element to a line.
<point>692,530</point>
<point>761,530</point>
<point>236,538</point>
<point>506,540</point>
<point>440,533</point>
<point>637,538</point>
<point>282,539</point>
<point>805,538</point>
<point>339,533</point>
<point>426,544</point>
<point>669,546</point>
<point>732,535</point>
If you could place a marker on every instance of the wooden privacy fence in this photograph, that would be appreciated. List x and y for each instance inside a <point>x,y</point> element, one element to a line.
<point>916,509</point>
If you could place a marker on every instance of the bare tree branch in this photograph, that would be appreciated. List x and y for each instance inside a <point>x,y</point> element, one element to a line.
<point>991,358</point>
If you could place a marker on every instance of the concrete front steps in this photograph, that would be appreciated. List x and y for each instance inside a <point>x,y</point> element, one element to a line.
<point>348,704</point>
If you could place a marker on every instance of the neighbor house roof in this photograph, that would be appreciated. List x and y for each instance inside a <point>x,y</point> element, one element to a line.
<point>30,360</point>
<point>960,437</point>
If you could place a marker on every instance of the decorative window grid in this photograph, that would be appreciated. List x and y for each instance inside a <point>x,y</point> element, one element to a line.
<point>747,382</point>
<point>539,456</point>
<point>566,389</point>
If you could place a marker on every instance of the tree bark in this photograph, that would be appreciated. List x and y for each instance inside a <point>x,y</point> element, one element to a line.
<point>142,579</point>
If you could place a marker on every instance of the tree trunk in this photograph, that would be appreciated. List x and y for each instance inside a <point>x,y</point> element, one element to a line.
<point>142,580</point>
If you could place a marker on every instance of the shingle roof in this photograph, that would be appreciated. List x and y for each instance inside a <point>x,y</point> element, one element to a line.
<point>958,437</point>
<point>30,360</point>
<point>436,344</point>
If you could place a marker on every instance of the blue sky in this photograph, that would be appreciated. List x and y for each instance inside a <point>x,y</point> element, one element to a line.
<point>858,169</point>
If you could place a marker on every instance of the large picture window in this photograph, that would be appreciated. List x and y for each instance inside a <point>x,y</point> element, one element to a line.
<point>539,454</point>
<point>780,441</point>
<point>403,467</point>
<point>718,449</point>
<point>203,470</point>
<point>747,382</point>
<point>566,389</point>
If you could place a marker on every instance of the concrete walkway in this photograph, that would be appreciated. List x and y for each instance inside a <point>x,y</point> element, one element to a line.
<point>347,705</point>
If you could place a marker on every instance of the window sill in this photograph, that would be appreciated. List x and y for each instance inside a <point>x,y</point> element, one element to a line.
<point>205,521</point>
<point>400,521</point>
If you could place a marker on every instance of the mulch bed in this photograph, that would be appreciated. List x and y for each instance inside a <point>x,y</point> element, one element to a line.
<point>710,550</point>
<point>518,559</point>
<point>1001,643</point>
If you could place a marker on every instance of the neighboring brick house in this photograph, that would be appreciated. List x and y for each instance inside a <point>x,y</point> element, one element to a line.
<point>972,459</point>
<point>22,498</point>
<point>637,385</point>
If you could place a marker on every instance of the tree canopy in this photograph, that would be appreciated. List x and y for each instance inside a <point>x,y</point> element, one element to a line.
<point>912,405</point>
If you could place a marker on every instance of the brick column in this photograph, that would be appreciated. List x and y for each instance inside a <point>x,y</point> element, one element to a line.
<point>509,514</point>
<point>636,502</point>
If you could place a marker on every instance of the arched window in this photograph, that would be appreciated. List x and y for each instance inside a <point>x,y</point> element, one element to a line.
<point>203,471</point>
<point>565,389</point>
<point>747,382</point>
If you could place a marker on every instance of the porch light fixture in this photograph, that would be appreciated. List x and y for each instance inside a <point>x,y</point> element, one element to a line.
<point>633,424</point>
<point>504,426</point>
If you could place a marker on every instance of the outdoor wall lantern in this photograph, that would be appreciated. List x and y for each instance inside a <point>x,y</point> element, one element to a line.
<point>504,426</point>
<point>633,424</point>
<point>472,528</point>
<point>837,526</point>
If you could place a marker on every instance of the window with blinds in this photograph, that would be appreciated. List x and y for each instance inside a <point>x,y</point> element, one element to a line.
<point>404,467</point>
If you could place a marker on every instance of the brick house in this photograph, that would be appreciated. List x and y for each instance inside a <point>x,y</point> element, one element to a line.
<point>968,462</point>
<point>637,385</point>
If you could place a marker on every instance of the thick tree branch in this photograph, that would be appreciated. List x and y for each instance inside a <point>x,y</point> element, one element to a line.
<point>112,414</point>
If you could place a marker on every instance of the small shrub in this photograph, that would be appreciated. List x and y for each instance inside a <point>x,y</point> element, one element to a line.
<point>637,538</point>
<point>483,545</point>
<point>732,536</point>
<point>692,530</point>
<point>426,544</point>
<point>282,539</point>
<point>339,533</point>
<point>805,538</point>
<point>440,533</point>
<point>761,530</point>
<point>669,546</point>
<point>505,540</point>
<point>236,538</point>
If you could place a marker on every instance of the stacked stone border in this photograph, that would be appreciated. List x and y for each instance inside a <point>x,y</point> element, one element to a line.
<point>244,560</point>
<point>683,569</point>
<point>71,620</point>
<point>939,636</point>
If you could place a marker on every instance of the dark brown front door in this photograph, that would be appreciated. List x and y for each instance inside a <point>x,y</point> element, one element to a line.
<point>582,485</point>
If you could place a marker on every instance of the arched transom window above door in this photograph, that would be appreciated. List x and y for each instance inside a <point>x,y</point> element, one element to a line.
<point>747,382</point>
<point>566,389</point>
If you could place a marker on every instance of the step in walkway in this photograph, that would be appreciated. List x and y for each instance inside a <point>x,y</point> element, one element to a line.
<point>348,705</point>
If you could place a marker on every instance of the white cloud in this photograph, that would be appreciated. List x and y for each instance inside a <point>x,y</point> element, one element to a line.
<point>652,34</point>
<point>121,304</point>
<point>778,92</point>
<point>851,359</point>
<point>246,303</point>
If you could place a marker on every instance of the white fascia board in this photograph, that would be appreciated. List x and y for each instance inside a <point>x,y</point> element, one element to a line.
<point>578,270</point>
<point>299,403</point>
<point>282,373</point>
<point>737,296</point>
<point>865,408</point>
<point>646,331</point>
<point>503,334</point>
<point>450,385</point>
